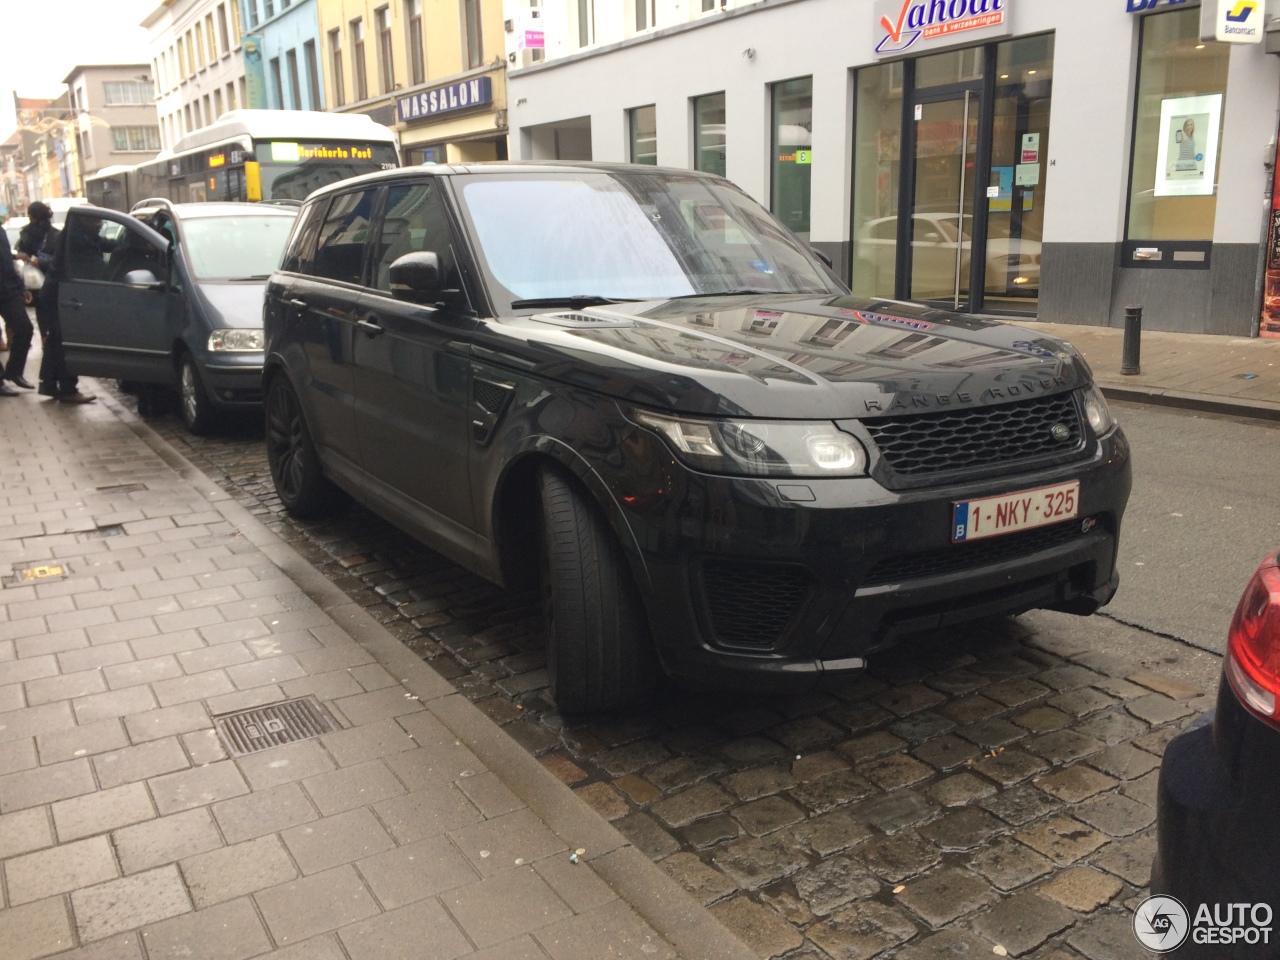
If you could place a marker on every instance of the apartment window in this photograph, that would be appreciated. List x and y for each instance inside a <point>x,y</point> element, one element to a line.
<point>235,19</point>
<point>471,24</point>
<point>277,83</point>
<point>645,14</point>
<point>417,60</point>
<point>217,102</point>
<point>643,126</point>
<point>191,56</point>
<point>1182,88</point>
<point>231,96</point>
<point>128,92</point>
<point>182,59</point>
<point>313,74</point>
<point>208,109</point>
<point>791,161</point>
<point>295,84</point>
<point>708,5</point>
<point>223,36</point>
<point>708,133</point>
<point>386,67</point>
<point>268,9</point>
<point>135,138</point>
<point>199,47</point>
<point>253,12</point>
<point>359,77</point>
<point>85,142</point>
<point>244,98</point>
<point>335,66</point>
<point>210,39</point>
<point>586,22</point>
<point>175,72</point>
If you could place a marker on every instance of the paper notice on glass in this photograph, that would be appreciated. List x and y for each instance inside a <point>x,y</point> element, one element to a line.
<point>1027,174</point>
<point>1031,148</point>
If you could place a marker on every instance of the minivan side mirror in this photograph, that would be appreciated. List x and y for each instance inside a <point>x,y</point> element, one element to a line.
<point>142,280</point>
<point>416,277</point>
<point>823,257</point>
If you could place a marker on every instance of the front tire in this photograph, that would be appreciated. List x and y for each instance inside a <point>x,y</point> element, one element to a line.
<point>295,467</point>
<point>600,654</point>
<point>193,402</point>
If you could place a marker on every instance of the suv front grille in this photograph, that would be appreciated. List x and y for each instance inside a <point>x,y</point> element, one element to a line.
<point>751,604</point>
<point>929,443</point>
<point>968,556</point>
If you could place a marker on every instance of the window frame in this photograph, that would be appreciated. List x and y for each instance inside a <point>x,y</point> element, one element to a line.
<point>359,71</point>
<point>335,64</point>
<point>415,42</point>
<point>472,34</point>
<point>295,79</point>
<point>386,56</point>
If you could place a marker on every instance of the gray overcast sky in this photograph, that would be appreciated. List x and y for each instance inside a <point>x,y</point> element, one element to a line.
<point>45,40</point>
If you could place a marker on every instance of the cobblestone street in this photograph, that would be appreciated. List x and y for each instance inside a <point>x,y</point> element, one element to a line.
<point>987,788</point>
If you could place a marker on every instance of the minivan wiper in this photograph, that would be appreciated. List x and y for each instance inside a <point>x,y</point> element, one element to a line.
<point>576,302</point>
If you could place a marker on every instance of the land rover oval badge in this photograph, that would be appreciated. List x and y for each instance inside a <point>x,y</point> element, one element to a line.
<point>1060,432</point>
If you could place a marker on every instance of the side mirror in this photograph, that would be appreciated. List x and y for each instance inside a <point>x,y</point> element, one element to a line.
<point>142,280</point>
<point>823,257</point>
<point>416,277</point>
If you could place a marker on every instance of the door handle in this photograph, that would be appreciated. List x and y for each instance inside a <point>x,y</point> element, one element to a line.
<point>295,302</point>
<point>369,327</point>
<point>75,303</point>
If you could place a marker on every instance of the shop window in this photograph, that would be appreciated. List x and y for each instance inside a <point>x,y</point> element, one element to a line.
<point>709,134</point>
<point>876,169</point>
<point>643,124</point>
<point>792,156</point>
<point>1182,87</point>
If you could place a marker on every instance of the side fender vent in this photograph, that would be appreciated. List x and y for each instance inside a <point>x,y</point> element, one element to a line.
<point>489,401</point>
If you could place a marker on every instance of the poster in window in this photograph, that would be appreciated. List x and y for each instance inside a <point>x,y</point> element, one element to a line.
<point>1187,158</point>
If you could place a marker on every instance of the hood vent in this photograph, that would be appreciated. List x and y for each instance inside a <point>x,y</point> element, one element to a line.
<point>581,320</point>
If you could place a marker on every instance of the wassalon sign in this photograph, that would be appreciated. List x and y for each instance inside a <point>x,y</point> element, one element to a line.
<point>903,25</point>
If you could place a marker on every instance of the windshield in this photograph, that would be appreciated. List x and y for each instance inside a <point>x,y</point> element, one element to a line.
<point>242,247</point>
<point>631,236</point>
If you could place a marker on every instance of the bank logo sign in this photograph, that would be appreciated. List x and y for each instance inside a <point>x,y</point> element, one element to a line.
<point>911,25</point>
<point>1231,21</point>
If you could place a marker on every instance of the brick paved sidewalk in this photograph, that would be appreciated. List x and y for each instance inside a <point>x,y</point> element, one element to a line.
<point>417,829</point>
<point>1222,374</point>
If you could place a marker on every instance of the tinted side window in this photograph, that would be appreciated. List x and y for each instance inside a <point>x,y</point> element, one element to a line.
<point>301,255</point>
<point>415,220</point>
<point>89,244</point>
<point>340,253</point>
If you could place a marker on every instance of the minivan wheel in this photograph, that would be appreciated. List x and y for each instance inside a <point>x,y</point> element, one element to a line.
<point>600,655</point>
<point>295,468</point>
<point>194,404</point>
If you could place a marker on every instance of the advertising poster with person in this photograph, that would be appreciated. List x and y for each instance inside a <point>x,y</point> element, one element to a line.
<point>1187,158</point>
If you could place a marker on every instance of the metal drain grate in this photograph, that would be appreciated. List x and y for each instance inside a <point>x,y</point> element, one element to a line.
<point>124,488</point>
<point>101,533</point>
<point>248,731</point>
<point>24,573</point>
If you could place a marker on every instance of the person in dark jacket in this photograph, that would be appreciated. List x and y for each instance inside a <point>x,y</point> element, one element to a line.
<point>16,320</point>
<point>56,379</point>
<point>13,309</point>
<point>33,236</point>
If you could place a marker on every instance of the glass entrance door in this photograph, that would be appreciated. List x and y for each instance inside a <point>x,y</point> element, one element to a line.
<point>941,228</point>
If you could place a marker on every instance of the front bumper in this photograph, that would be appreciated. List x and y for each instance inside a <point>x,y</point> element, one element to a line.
<point>234,380</point>
<point>773,585</point>
<point>1216,843</point>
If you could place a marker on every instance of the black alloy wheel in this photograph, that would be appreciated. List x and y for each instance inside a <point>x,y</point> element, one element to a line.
<point>295,468</point>
<point>600,655</point>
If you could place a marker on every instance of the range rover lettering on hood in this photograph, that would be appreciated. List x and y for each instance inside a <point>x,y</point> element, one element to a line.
<point>933,401</point>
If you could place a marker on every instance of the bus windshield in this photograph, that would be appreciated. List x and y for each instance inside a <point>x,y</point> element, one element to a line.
<point>290,171</point>
<point>242,247</point>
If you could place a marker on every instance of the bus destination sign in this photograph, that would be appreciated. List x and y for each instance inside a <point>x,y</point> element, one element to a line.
<point>289,152</point>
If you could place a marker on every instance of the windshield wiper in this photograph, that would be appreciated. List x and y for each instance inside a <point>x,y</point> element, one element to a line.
<point>256,276</point>
<point>577,301</point>
<point>725,293</point>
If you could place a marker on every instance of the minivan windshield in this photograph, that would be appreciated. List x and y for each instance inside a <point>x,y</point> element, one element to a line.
<point>631,236</point>
<point>241,247</point>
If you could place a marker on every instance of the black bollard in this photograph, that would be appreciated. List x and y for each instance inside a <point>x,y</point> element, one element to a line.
<point>1131,361</point>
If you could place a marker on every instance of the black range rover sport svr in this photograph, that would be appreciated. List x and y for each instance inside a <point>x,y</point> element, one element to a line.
<point>634,388</point>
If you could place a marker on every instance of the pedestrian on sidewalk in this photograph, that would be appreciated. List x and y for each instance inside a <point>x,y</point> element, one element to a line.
<point>56,379</point>
<point>13,309</point>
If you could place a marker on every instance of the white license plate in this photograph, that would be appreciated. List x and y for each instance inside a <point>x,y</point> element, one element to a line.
<point>993,516</point>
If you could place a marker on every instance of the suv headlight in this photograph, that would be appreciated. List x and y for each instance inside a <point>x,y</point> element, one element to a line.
<point>237,340</point>
<point>1097,413</point>
<point>761,448</point>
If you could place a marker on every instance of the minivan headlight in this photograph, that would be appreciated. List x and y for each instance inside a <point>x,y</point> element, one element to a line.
<point>237,340</point>
<point>1097,412</point>
<point>761,448</point>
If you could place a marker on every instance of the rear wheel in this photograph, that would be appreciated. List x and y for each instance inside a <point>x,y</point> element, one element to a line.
<point>193,402</point>
<point>295,468</point>
<point>599,652</point>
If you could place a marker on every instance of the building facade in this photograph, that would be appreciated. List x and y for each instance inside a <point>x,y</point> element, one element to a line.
<point>113,114</point>
<point>432,70</point>
<point>197,62</point>
<point>288,34</point>
<point>1013,157</point>
<point>46,163</point>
